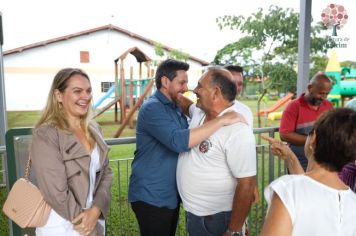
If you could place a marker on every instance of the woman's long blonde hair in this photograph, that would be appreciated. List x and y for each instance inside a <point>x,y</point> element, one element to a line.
<point>53,112</point>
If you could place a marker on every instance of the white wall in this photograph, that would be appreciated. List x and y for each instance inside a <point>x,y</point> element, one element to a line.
<point>29,74</point>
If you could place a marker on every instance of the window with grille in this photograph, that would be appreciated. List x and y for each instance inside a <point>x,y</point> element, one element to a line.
<point>105,86</point>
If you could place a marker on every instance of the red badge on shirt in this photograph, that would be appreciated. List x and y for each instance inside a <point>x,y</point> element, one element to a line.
<point>205,146</point>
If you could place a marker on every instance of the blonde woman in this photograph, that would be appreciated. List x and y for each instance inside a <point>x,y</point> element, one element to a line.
<point>69,157</point>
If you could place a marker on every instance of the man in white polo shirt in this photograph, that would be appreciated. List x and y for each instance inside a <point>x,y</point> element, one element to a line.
<point>238,79</point>
<point>216,179</point>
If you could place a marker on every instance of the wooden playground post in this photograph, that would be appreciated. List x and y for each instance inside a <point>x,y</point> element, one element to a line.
<point>140,71</point>
<point>116,90</point>
<point>138,82</point>
<point>120,93</point>
<point>148,71</point>
<point>138,85</point>
<point>131,97</point>
<point>122,99</point>
<point>133,110</point>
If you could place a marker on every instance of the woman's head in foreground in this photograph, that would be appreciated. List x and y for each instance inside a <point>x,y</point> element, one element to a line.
<point>333,139</point>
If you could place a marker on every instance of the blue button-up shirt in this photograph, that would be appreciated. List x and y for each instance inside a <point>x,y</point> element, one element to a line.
<point>161,133</point>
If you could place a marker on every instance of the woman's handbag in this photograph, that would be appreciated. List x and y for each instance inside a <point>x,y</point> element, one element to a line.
<point>25,204</point>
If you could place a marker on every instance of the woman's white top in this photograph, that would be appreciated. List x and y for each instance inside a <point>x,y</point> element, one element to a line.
<point>56,224</point>
<point>314,208</point>
<point>94,167</point>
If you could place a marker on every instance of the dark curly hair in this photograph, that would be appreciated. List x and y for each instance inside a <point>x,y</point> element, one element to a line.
<point>169,69</point>
<point>335,138</point>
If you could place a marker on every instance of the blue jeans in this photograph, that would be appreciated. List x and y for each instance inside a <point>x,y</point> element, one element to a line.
<point>211,225</point>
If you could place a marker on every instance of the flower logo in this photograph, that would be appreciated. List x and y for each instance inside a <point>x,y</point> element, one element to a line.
<point>334,16</point>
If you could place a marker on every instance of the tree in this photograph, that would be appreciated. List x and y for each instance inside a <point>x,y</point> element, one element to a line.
<point>269,38</point>
<point>178,55</point>
<point>283,77</point>
<point>348,64</point>
<point>318,64</point>
<point>160,51</point>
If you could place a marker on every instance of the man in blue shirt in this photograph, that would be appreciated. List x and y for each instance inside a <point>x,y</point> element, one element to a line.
<point>162,133</point>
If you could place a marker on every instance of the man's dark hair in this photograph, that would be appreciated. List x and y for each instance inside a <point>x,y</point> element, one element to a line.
<point>169,69</point>
<point>220,77</point>
<point>234,68</point>
<point>335,138</point>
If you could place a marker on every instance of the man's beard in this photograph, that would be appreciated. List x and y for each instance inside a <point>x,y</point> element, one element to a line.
<point>316,101</point>
<point>174,97</point>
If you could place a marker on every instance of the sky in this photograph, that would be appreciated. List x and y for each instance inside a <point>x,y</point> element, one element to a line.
<point>187,25</point>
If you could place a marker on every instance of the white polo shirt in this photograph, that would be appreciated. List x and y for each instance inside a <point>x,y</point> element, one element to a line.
<point>207,174</point>
<point>245,111</point>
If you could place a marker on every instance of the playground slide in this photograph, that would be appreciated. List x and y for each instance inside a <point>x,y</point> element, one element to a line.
<point>275,115</point>
<point>106,95</point>
<point>277,105</point>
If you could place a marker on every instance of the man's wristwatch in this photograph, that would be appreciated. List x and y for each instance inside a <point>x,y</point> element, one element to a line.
<point>233,233</point>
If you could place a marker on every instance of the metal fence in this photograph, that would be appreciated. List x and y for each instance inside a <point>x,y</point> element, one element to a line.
<point>2,167</point>
<point>121,220</point>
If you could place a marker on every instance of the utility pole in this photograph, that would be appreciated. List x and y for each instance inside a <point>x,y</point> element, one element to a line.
<point>3,117</point>
<point>304,46</point>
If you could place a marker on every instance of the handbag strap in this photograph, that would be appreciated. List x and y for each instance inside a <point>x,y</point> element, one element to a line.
<point>28,168</point>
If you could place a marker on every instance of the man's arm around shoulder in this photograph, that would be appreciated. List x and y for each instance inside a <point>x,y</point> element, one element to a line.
<point>184,103</point>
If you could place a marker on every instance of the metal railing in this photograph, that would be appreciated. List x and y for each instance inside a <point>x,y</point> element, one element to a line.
<point>2,166</point>
<point>121,220</point>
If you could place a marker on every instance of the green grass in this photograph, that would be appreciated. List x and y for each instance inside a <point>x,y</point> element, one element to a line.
<point>22,119</point>
<point>124,217</point>
<point>3,220</point>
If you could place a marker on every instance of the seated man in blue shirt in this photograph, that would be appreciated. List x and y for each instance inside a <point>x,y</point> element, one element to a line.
<point>162,133</point>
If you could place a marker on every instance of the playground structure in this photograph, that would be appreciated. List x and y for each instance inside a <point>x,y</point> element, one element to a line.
<point>344,86</point>
<point>107,95</point>
<point>277,115</point>
<point>344,80</point>
<point>129,93</point>
<point>276,106</point>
